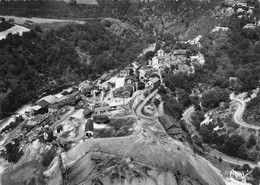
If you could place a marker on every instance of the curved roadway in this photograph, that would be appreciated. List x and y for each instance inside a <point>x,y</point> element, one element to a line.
<point>238,115</point>
<point>231,160</point>
<point>140,107</point>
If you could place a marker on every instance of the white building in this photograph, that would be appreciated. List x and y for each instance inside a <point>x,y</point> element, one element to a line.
<point>120,81</point>
<point>49,99</point>
<point>124,72</point>
<point>160,53</point>
<point>218,28</point>
<point>250,26</point>
<point>198,58</point>
<point>240,10</point>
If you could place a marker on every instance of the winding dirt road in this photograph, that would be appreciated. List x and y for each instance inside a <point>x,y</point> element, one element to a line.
<point>140,107</point>
<point>231,160</point>
<point>238,115</point>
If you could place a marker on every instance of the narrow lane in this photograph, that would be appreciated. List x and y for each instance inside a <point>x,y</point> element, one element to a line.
<point>231,160</point>
<point>238,115</point>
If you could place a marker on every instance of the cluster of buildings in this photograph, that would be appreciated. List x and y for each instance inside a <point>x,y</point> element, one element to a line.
<point>97,100</point>
<point>178,60</point>
<point>243,8</point>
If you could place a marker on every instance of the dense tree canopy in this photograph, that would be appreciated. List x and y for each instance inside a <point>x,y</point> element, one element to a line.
<point>212,98</point>
<point>38,61</point>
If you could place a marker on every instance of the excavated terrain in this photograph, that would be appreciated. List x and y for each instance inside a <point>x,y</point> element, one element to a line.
<point>138,159</point>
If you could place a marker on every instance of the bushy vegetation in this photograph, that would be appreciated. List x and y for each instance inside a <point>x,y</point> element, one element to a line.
<point>213,97</point>
<point>12,153</point>
<point>234,53</point>
<point>48,157</point>
<point>5,25</point>
<point>225,140</point>
<point>175,102</point>
<point>171,17</point>
<point>12,125</point>
<point>37,61</point>
<point>252,112</point>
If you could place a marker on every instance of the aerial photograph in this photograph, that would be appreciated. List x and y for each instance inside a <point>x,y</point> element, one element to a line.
<point>129,92</point>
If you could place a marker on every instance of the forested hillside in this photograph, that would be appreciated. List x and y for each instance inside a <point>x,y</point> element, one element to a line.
<point>37,61</point>
<point>173,17</point>
<point>234,53</point>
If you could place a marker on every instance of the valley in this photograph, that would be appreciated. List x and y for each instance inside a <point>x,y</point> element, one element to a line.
<point>137,93</point>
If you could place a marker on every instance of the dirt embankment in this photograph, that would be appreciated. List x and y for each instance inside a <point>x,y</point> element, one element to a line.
<point>141,159</point>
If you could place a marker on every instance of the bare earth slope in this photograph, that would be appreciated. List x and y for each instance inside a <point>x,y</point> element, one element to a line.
<point>139,159</point>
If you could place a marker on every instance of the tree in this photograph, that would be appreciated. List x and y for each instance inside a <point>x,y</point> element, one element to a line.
<point>149,55</point>
<point>183,98</point>
<point>197,118</point>
<point>209,100</point>
<point>246,168</point>
<point>220,160</point>
<point>156,102</point>
<point>206,134</point>
<point>198,141</point>
<point>232,145</point>
<point>251,141</point>
<point>38,28</point>
<point>242,152</point>
<point>212,98</point>
<point>256,173</point>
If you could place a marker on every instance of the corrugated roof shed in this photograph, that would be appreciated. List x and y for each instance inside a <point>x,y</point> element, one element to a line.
<point>168,122</point>
<point>174,131</point>
<point>104,76</point>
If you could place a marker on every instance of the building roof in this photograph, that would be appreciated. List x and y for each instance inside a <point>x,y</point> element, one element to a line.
<point>36,107</point>
<point>154,80</point>
<point>87,111</point>
<point>35,120</point>
<point>249,25</point>
<point>124,71</point>
<point>135,65</point>
<point>148,73</point>
<point>49,98</point>
<point>53,106</point>
<point>74,94</point>
<point>179,52</point>
<point>168,122</point>
<point>104,108</point>
<point>59,127</point>
<point>131,77</point>
<point>43,103</point>
<point>88,2</point>
<point>128,88</point>
<point>59,95</point>
<point>38,118</point>
<point>120,81</point>
<point>104,76</point>
<point>69,90</point>
<point>89,126</point>
<point>174,131</point>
